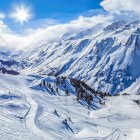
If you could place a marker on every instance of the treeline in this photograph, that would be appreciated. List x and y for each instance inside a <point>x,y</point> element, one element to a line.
<point>5,71</point>
<point>48,85</point>
<point>84,91</point>
<point>62,81</point>
<point>55,88</point>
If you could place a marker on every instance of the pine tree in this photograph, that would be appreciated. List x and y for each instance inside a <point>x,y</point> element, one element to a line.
<point>44,83</point>
<point>52,89</point>
<point>49,85</point>
<point>67,92</point>
<point>57,89</point>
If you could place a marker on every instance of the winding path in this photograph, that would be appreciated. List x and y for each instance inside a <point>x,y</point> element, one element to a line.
<point>30,117</point>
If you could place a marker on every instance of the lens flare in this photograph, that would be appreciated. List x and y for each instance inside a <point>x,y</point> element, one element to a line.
<point>21,13</point>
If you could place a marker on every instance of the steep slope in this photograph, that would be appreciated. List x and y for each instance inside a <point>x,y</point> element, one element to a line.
<point>134,88</point>
<point>107,60</point>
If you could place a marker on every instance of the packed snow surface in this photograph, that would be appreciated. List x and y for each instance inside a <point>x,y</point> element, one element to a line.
<point>28,113</point>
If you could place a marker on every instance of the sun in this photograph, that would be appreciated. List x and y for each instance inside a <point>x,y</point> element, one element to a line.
<point>21,13</point>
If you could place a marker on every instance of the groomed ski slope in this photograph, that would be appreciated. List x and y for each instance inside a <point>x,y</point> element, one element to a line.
<point>29,114</point>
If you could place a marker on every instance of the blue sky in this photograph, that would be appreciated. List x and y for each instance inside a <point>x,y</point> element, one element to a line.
<point>58,9</point>
<point>62,11</point>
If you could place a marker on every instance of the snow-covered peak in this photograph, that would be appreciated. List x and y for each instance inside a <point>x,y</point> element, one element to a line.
<point>115,26</point>
<point>105,57</point>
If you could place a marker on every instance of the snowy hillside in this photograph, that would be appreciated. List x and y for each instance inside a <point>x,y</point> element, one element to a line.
<point>107,60</point>
<point>134,88</point>
<point>64,87</point>
<point>31,112</point>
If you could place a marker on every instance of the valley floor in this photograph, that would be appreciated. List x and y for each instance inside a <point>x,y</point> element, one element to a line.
<point>31,114</point>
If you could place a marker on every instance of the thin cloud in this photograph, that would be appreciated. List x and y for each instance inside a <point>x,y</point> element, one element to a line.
<point>91,21</point>
<point>2,15</point>
<point>4,29</point>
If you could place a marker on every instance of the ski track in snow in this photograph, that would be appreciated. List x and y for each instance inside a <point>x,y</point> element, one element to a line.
<point>119,120</point>
<point>30,118</point>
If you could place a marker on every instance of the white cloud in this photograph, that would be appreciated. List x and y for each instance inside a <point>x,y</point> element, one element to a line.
<point>4,28</point>
<point>44,30</point>
<point>74,26</point>
<point>2,15</point>
<point>91,21</point>
<point>117,6</point>
<point>32,37</point>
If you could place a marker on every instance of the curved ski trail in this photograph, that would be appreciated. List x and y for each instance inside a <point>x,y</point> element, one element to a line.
<point>30,118</point>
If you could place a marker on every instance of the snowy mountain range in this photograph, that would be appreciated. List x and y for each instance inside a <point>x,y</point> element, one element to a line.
<point>106,59</point>
<point>61,87</point>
